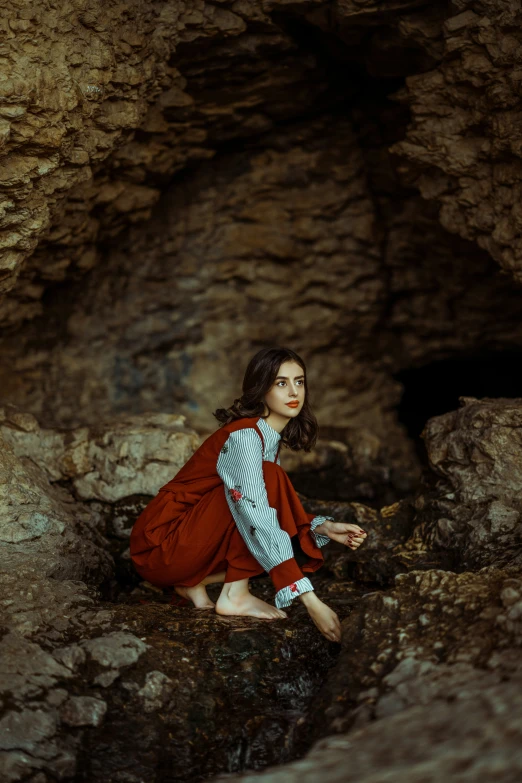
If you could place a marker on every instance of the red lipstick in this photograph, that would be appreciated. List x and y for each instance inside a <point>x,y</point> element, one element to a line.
<point>294,404</point>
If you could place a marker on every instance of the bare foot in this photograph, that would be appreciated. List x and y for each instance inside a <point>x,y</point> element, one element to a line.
<point>197,594</point>
<point>247,605</point>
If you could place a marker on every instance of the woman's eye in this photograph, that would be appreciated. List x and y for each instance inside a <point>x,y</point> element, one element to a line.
<point>284,382</point>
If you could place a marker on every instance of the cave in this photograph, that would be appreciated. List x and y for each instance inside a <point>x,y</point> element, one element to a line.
<point>182,185</point>
<point>434,389</point>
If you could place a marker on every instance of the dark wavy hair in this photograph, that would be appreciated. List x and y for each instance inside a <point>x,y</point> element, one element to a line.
<point>300,433</point>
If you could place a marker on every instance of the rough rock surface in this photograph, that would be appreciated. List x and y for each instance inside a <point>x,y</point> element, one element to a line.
<point>160,334</point>
<point>474,511</point>
<point>428,680</point>
<point>45,526</point>
<point>139,67</point>
<point>260,143</point>
<point>427,686</point>
<point>463,142</point>
<point>182,183</point>
<point>91,688</point>
<point>128,455</point>
<point>137,686</point>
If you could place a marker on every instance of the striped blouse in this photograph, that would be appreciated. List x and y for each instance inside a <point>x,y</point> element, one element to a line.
<point>240,463</point>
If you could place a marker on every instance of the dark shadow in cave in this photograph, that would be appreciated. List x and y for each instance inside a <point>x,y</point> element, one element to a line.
<point>435,388</point>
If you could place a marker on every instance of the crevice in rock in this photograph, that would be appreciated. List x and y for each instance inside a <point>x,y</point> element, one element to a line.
<point>435,388</point>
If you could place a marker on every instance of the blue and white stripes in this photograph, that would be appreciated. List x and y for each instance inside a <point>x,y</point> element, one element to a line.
<point>240,466</point>
<point>285,596</point>
<point>320,540</point>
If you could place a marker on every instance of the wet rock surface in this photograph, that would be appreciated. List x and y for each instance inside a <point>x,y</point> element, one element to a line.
<point>210,692</point>
<point>427,685</point>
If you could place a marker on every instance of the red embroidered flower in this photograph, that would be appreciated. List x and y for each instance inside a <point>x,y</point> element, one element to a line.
<point>236,495</point>
<point>294,588</point>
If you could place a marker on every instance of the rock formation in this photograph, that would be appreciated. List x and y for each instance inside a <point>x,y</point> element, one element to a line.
<point>181,184</point>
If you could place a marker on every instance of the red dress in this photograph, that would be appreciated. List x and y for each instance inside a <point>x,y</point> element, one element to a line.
<point>187,531</point>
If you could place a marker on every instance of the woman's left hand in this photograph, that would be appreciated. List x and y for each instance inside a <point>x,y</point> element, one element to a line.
<point>344,532</point>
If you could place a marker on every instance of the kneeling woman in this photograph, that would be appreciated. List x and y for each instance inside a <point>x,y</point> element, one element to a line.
<point>231,512</point>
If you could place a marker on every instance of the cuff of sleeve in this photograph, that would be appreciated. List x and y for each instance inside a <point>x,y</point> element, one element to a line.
<point>319,539</point>
<point>286,595</point>
<point>285,573</point>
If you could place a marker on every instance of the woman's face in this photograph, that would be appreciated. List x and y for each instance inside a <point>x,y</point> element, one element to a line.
<point>288,387</point>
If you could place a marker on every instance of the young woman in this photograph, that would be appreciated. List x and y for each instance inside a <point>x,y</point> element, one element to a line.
<point>231,512</point>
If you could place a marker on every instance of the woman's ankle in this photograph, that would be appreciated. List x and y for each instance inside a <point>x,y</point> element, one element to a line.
<point>235,589</point>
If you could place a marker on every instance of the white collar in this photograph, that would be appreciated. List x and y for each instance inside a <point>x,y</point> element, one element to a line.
<point>272,435</point>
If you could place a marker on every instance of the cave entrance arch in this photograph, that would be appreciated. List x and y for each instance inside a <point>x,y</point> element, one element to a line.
<point>433,389</point>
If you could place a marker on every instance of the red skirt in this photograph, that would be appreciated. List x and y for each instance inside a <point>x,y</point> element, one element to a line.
<point>172,545</point>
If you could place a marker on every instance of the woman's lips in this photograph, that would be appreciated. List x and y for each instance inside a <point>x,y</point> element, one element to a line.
<point>292,404</point>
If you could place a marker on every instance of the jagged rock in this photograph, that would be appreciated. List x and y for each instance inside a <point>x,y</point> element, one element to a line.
<point>199,667</point>
<point>74,668</point>
<point>156,691</point>
<point>463,143</point>
<point>173,304</point>
<point>260,143</point>
<point>314,186</point>
<point>474,737</point>
<point>430,636</point>
<point>83,711</point>
<point>156,74</point>
<point>127,456</point>
<point>473,512</point>
<point>44,522</point>
<point>115,650</point>
<point>427,683</point>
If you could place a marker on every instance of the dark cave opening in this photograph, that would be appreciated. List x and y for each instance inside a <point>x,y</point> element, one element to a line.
<point>434,389</point>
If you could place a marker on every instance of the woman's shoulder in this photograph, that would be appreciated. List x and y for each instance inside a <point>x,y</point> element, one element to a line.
<point>240,424</point>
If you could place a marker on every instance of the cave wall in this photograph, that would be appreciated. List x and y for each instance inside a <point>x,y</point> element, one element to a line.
<point>186,184</point>
<point>463,143</point>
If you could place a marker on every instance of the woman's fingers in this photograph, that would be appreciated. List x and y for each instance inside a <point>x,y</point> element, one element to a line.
<point>336,630</point>
<point>347,533</point>
<point>353,541</point>
<point>356,529</point>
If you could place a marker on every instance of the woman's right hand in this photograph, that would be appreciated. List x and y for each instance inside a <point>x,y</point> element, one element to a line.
<point>324,618</point>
